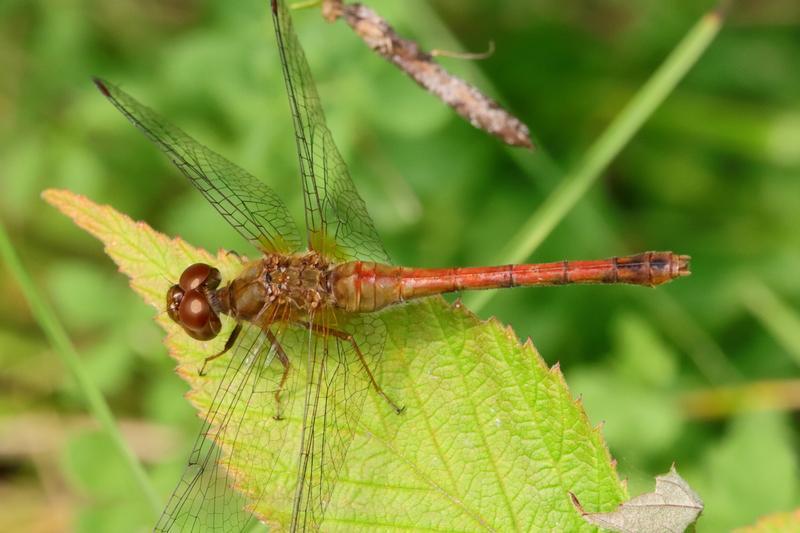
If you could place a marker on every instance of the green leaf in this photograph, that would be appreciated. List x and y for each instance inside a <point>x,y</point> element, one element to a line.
<point>491,438</point>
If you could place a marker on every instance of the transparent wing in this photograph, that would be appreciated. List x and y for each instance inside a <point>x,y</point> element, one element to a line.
<point>337,220</point>
<point>241,448</point>
<point>245,463</point>
<point>248,205</point>
<point>337,381</point>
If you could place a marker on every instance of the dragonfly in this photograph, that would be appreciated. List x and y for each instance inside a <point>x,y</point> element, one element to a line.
<point>308,338</point>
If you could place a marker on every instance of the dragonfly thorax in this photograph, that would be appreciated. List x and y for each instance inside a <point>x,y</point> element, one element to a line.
<point>278,288</point>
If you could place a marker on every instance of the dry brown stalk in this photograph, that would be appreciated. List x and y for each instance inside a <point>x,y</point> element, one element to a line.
<point>469,102</point>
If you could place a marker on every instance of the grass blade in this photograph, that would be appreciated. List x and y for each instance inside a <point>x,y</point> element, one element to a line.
<point>63,346</point>
<point>777,317</point>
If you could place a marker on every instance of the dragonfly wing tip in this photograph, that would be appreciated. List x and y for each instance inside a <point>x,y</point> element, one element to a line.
<point>102,86</point>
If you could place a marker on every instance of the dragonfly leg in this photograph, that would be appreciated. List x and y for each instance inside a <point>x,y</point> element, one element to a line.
<point>343,335</point>
<point>228,345</point>
<point>287,365</point>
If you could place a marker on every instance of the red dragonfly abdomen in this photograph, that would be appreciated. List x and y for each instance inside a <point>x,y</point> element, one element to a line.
<point>362,286</point>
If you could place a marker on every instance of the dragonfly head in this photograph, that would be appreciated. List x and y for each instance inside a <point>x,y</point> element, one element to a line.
<point>188,302</point>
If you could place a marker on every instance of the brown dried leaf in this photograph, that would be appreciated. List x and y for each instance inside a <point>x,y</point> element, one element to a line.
<point>673,506</point>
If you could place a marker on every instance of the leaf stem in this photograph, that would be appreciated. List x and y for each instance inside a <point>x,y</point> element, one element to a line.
<point>59,339</point>
<point>578,181</point>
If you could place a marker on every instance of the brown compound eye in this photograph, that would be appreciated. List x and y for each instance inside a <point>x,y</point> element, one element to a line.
<point>197,317</point>
<point>199,274</point>
<point>174,297</point>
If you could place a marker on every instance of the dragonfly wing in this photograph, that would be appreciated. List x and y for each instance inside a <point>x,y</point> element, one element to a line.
<point>239,440</point>
<point>250,206</point>
<point>337,382</point>
<point>337,220</point>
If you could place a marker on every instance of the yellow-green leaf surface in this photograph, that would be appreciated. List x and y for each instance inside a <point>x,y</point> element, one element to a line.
<point>491,438</point>
<point>775,523</point>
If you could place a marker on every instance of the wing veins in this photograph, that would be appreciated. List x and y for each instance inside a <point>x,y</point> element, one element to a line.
<point>249,205</point>
<point>333,206</point>
<point>206,452</point>
<point>203,441</point>
<point>304,151</point>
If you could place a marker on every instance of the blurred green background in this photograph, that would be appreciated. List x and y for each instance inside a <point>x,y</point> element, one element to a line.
<point>703,372</point>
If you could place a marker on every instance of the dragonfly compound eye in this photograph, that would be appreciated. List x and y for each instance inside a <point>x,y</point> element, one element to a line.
<point>174,297</point>
<point>199,274</point>
<point>197,317</point>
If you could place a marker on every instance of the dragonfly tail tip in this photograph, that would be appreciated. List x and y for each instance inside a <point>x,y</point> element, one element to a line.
<point>683,265</point>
